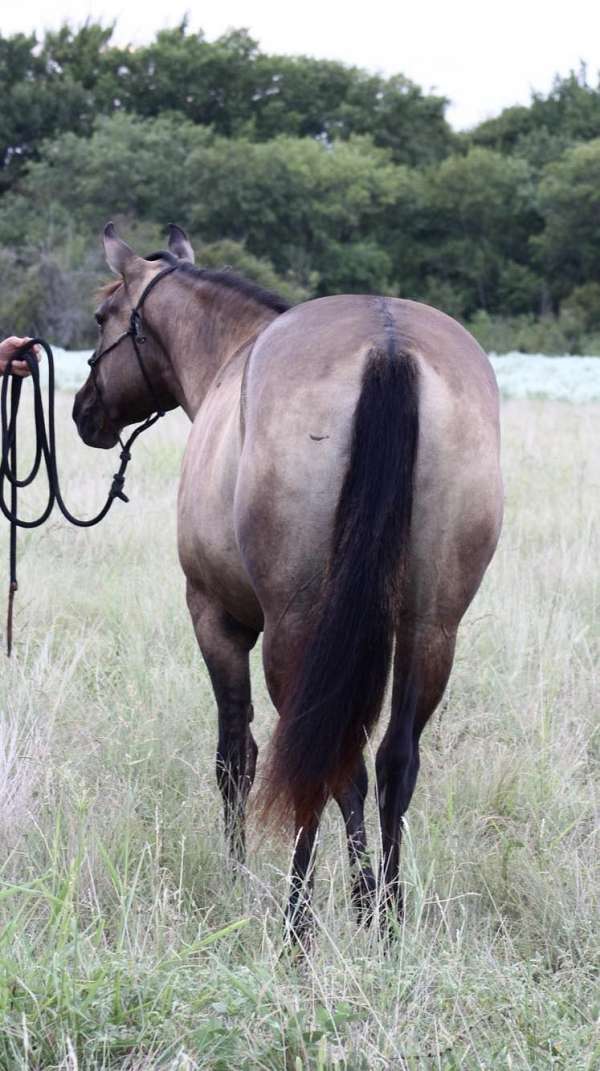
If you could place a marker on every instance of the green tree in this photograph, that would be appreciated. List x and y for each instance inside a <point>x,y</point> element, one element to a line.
<point>64,82</point>
<point>36,103</point>
<point>321,98</point>
<point>541,132</point>
<point>126,167</point>
<point>306,206</point>
<point>480,215</point>
<point>569,202</point>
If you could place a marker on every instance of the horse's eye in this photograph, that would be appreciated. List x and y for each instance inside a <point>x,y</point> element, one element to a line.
<point>99,318</point>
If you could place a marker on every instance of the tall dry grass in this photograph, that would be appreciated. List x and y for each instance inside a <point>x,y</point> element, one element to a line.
<point>126,941</point>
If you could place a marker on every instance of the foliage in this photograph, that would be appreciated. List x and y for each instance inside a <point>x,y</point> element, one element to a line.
<point>569,198</point>
<point>227,84</point>
<point>480,216</point>
<point>317,176</point>
<point>45,296</point>
<point>542,131</point>
<point>526,333</point>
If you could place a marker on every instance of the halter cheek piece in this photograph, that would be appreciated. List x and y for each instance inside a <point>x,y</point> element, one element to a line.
<point>137,339</point>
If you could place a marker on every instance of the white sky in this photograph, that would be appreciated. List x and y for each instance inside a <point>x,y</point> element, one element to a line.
<point>483,56</point>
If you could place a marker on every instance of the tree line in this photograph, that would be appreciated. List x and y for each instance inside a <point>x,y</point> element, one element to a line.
<point>310,176</point>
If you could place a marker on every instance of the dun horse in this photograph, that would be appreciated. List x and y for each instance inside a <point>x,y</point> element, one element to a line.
<point>340,493</point>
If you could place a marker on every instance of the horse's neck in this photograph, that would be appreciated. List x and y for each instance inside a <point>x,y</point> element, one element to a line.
<point>204,342</point>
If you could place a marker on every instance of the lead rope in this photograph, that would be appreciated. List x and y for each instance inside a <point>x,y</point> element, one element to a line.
<point>45,447</point>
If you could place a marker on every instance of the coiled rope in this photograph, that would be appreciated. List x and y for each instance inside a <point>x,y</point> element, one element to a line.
<point>45,451</point>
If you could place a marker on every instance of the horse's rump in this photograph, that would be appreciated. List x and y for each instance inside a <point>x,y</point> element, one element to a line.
<point>324,506</point>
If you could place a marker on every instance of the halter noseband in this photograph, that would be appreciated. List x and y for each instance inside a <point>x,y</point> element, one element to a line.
<point>137,339</point>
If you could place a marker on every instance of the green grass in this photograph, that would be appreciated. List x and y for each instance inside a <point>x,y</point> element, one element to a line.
<point>126,942</point>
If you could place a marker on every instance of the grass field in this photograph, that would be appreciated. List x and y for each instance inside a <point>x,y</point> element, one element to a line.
<point>125,940</point>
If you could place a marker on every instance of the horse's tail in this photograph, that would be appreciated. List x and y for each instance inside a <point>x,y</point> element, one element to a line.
<point>339,684</point>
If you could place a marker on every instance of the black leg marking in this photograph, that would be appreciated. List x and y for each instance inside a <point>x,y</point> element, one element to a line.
<point>351,803</point>
<point>225,646</point>
<point>422,665</point>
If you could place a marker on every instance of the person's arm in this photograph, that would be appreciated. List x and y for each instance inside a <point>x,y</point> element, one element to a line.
<point>7,349</point>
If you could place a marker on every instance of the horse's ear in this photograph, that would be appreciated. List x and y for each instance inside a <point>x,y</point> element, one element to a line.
<point>119,256</point>
<point>179,243</point>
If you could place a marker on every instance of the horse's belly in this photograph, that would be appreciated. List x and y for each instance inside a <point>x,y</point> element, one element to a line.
<point>208,549</point>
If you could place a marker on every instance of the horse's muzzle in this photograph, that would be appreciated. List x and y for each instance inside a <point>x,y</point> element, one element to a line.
<point>91,422</point>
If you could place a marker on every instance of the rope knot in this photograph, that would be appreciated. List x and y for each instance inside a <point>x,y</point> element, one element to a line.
<point>116,490</point>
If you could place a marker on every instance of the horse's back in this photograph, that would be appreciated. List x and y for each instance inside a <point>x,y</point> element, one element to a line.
<point>302,387</point>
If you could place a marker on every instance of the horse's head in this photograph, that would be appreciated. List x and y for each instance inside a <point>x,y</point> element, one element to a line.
<point>130,375</point>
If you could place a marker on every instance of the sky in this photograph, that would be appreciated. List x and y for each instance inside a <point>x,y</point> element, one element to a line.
<point>482,56</point>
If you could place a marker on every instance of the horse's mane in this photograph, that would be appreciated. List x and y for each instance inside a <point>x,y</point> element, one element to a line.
<point>225,277</point>
<point>106,289</point>
<point>228,279</point>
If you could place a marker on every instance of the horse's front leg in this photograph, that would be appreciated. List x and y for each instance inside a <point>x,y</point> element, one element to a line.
<point>225,645</point>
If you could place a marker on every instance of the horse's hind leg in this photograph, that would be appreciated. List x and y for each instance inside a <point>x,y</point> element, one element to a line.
<point>422,665</point>
<point>351,803</point>
<point>280,647</point>
<point>298,923</point>
<point>225,646</point>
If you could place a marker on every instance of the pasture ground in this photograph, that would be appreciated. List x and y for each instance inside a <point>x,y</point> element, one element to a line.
<point>125,940</point>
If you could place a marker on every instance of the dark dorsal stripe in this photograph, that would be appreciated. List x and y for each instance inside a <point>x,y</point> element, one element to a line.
<point>228,279</point>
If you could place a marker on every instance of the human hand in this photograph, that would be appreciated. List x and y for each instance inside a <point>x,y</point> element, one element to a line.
<point>9,347</point>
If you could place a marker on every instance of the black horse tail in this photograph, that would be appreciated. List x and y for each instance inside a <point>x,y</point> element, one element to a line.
<point>338,687</point>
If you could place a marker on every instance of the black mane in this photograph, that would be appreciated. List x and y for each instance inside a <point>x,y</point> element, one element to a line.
<point>228,279</point>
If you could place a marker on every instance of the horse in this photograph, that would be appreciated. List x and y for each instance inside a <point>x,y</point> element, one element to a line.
<point>341,494</point>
